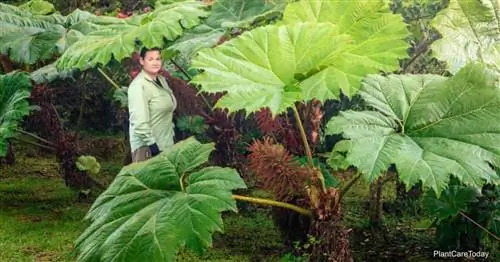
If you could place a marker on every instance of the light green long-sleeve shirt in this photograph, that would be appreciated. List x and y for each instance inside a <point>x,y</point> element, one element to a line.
<point>151,109</point>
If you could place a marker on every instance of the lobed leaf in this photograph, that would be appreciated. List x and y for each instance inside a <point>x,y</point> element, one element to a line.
<point>430,126</point>
<point>258,69</point>
<point>311,56</point>
<point>144,214</point>
<point>49,73</point>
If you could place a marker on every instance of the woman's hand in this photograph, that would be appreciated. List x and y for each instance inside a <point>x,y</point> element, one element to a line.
<point>154,149</point>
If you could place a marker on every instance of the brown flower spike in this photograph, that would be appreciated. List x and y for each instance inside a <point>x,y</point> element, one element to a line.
<point>276,170</point>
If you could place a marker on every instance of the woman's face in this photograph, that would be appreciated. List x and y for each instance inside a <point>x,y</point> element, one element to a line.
<point>151,63</point>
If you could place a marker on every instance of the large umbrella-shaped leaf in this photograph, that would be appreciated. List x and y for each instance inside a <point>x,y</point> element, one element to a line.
<point>260,68</point>
<point>119,40</point>
<point>145,215</point>
<point>431,127</point>
<point>14,93</point>
<point>276,65</point>
<point>378,42</point>
<point>471,32</point>
<point>202,36</point>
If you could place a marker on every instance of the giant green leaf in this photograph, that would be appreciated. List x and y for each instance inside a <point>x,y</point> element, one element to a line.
<point>378,42</point>
<point>145,215</point>
<point>118,41</point>
<point>471,32</point>
<point>260,68</point>
<point>225,15</point>
<point>15,90</point>
<point>306,58</point>
<point>202,36</point>
<point>430,126</point>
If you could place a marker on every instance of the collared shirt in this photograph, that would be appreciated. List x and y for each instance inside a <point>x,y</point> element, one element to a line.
<point>151,107</point>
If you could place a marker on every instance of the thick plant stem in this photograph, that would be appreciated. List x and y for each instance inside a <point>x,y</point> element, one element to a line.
<point>481,227</point>
<point>113,83</point>
<point>303,136</point>
<point>307,147</point>
<point>270,202</point>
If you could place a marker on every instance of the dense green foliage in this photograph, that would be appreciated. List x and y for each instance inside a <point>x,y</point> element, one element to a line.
<point>15,90</point>
<point>29,38</point>
<point>119,40</point>
<point>458,211</point>
<point>432,128</point>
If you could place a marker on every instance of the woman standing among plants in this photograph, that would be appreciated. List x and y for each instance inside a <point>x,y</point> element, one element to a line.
<point>151,105</point>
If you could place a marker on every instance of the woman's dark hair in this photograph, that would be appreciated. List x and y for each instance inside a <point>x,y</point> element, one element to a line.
<point>144,50</point>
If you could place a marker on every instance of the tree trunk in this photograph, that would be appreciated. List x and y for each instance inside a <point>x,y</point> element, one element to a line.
<point>375,209</point>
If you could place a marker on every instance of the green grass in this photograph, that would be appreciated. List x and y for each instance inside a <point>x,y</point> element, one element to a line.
<point>39,219</point>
